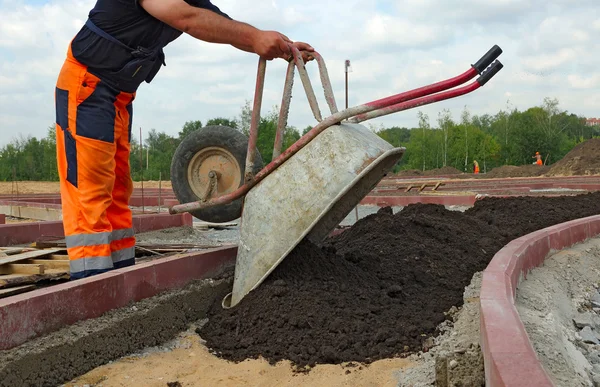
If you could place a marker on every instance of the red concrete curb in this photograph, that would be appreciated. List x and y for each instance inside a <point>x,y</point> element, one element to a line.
<point>20,233</point>
<point>35,204</point>
<point>449,200</point>
<point>509,357</point>
<point>29,315</point>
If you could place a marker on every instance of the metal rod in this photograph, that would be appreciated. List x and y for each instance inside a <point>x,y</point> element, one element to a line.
<point>346,71</point>
<point>346,65</point>
<point>255,122</point>
<point>417,102</point>
<point>321,126</point>
<point>326,83</point>
<point>142,169</point>
<point>310,93</point>
<point>159,192</point>
<point>285,110</point>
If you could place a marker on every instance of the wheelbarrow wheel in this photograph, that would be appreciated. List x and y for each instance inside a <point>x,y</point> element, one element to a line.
<point>219,149</point>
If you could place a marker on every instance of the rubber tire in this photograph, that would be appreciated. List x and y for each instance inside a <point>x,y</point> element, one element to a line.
<point>210,136</point>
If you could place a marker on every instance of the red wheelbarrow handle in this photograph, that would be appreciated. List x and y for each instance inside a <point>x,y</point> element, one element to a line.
<point>401,101</point>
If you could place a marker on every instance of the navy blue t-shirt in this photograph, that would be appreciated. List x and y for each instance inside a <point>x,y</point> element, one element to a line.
<point>129,23</point>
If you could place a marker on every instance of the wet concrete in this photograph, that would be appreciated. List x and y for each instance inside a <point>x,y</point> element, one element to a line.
<point>77,349</point>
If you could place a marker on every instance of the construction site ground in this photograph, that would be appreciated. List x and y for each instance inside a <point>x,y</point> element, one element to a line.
<point>389,300</point>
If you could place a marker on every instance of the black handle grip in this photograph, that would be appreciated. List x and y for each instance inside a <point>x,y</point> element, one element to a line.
<point>490,72</point>
<point>487,59</point>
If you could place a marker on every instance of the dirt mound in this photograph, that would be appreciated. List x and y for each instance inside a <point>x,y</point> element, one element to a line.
<point>518,216</point>
<point>442,171</point>
<point>410,172</point>
<point>584,159</point>
<point>528,170</point>
<point>380,288</point>
<point>366,296</point>
<point>430,172</point>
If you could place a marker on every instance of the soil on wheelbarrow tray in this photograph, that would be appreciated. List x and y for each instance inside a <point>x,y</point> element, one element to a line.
<point>380,288</point>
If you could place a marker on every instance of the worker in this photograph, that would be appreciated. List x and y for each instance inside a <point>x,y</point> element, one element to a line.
<point>119,47</point>
<point>538,158</point>
<point>475,167</point>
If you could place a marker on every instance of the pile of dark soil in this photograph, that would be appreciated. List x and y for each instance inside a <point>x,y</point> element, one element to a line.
<point>528,170</point>
<point>518,216</point>
<point>380,288</point>
<point>444,171</point>
<point>584,159</point>
<point>410,172</point>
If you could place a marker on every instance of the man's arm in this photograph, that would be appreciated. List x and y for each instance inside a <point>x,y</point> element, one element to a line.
<point>210,27</point>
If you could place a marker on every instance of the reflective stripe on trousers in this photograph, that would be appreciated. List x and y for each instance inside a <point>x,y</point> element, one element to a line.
<point>99,238</point>
<point>119,257</point>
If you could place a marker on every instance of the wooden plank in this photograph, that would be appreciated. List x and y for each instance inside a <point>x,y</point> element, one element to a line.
<point>20,268</point>
<point>437,186</point>
<point>408,188</point>
<point>11,280</point>
<point>15,290</point>
<point>48,244</point>
<point>28,255</point>
<point>13,251</point>
<point>51,263</point>
<point>60,257</point>
<point>422,187</point>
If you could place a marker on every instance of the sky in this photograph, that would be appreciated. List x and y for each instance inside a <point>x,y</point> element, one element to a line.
<point>551,49</point>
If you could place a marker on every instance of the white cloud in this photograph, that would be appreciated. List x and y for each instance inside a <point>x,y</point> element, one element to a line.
<point>585,82</point>
<point>550,49</point>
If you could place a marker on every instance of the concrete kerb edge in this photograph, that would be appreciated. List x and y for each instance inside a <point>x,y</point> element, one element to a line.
<point>21,233</point>
<point>39,312</point>
<point>498,313</point>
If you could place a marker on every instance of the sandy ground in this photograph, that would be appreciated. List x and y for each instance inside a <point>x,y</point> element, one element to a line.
<point>191,364</point>
<point>547,302</point>
<point>39,187</point>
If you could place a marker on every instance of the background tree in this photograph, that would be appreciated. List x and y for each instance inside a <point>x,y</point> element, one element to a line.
<point>189,127</point>
<point>509,137</point>
<point>223,122</point>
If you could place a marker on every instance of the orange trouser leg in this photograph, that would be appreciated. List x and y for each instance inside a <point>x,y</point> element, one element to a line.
<point>119,214</point>
<point>89,131</point>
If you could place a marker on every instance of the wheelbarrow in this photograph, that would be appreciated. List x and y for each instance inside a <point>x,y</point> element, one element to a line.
<point>308,189</point>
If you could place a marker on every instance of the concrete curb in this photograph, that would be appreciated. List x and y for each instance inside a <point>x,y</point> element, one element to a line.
<point>39,312</point>
<point>509,357</point>
<point>20,233</point>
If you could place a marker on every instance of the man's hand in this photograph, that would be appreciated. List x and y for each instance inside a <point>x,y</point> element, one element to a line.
<point>305,49</point>
<point>272,44</point>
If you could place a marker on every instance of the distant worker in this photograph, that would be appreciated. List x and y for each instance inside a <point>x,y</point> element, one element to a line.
<point>475,166</point>
<point>120,47</point>
<point>538,158</point>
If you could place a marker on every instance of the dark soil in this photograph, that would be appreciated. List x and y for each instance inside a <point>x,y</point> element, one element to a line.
<point>584,159</point>
<point>529,170</point>
<point>380,288</point>
<point>430,172</point>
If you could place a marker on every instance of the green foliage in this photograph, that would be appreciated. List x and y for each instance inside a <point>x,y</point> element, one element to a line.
<point>27,158</point>
<point>395,135</point>
<point>189,127</point>
<point>510,137</point>
<point>267,130</point>
<point>223,122</point>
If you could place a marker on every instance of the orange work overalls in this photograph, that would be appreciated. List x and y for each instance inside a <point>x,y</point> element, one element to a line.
<point>93,134</point>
